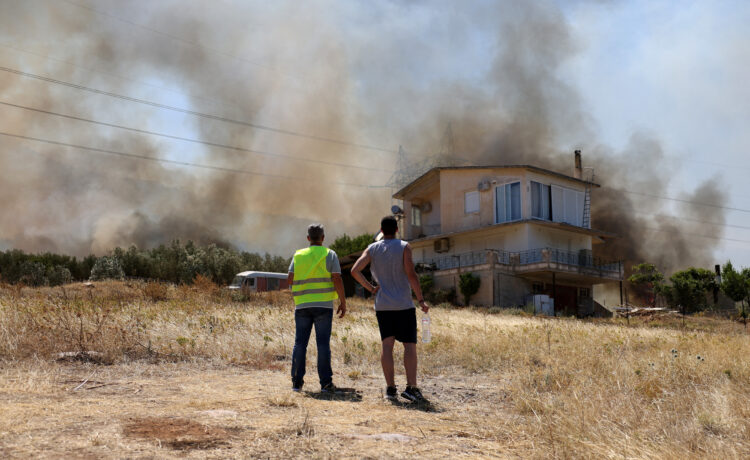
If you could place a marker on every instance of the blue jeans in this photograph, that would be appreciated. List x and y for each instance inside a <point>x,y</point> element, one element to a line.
<point>304,319</point>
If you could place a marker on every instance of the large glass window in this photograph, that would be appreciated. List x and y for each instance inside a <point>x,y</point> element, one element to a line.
<point>508,202</point>
<point>567,205</point>
<point>471,202</point>
<point>540,201</point>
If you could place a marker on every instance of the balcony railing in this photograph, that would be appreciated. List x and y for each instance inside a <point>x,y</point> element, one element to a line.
<point>457,260</point>
<point>521,261</point>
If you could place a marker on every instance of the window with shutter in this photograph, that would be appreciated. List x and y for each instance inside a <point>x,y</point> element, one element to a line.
<point>540,201</point>
<point>508,202</point>
<point>567,205</point>
<point>471,202</point>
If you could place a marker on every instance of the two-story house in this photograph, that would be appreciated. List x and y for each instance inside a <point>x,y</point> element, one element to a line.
<point>522,229</point>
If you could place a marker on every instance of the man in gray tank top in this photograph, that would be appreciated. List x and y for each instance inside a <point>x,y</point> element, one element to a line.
<point>392,268</point>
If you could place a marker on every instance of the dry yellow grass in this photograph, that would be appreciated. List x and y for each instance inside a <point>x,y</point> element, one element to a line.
<point>199,374</point>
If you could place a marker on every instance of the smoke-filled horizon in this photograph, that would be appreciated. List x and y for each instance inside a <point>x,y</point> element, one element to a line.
<point>363,74</point>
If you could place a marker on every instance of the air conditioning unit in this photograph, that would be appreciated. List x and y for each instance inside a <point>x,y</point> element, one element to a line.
<point>442,245</point>
<point>483,186</point>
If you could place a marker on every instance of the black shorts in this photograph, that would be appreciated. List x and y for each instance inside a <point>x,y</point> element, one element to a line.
<point>401,324</point>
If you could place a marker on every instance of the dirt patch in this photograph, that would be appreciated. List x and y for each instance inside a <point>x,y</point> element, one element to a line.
<point>177,433</point>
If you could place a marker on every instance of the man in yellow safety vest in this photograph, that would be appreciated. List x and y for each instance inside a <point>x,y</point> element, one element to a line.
<point>315,280</point>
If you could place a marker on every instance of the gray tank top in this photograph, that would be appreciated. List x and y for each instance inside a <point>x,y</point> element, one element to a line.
<point>387,267</point>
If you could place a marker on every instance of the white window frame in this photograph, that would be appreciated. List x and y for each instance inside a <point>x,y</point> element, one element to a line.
<point>569,199</point>
<point>471,194</point>
<point>520,201</point>
<point>416,215</point>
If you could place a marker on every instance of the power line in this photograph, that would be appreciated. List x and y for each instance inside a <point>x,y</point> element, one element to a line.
<point>182,163</point>
<point>711,205</point>
<point>194,113</point>
<point>180,39</point>
<point>186,139</point>
<point>103,72</point>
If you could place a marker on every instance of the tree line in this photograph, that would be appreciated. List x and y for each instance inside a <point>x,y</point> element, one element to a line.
<point>175,263</point>
<point>689,290</point>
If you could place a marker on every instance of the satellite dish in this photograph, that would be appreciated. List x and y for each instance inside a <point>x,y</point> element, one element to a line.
<point>396,210</point>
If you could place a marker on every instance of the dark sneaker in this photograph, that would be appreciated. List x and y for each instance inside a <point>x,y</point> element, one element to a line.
<point>391,392</point>
<point>329,388</point>
<point>414,395</point>
<point>297,385</point>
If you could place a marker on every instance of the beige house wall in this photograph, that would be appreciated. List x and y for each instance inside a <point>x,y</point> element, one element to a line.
<point>454,183</point>
<point>508,238</point>
<point>541,237</point>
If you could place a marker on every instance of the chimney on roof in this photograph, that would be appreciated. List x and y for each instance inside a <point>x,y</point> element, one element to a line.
<point>578,170</point>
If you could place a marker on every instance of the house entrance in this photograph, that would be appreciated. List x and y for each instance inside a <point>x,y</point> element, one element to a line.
<point>565,300</point>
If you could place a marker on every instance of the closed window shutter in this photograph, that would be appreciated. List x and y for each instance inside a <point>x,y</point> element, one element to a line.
<point>570,206</point>
<point>500,204</point>
<point>471,202</point>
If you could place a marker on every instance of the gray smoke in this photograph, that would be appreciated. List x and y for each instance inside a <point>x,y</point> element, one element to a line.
<point>363,75</point>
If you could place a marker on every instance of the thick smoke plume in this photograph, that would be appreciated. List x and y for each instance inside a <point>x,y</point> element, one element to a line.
<point>320,68</point>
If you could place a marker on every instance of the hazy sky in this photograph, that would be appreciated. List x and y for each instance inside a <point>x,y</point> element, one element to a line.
<point>680,70</point>
<point>597,75</point>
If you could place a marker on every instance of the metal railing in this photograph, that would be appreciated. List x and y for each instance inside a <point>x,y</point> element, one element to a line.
<point>582,260</point>
<point>465,259</point>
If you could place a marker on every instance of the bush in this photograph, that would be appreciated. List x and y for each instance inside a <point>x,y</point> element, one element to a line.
<point>439,296</point>
<point>33,274</point>
<point>204,284</point>
<point>156,291</point>
<point>107,268</point>
<point>426,283</point>
<point>469,284</point>
<point>58,275</point>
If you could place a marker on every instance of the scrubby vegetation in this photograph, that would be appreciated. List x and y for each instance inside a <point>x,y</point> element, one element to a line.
<point>176,263</point>
<point>504,383</point>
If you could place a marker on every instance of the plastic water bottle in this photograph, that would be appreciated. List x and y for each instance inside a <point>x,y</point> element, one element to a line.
<point>426,336</point>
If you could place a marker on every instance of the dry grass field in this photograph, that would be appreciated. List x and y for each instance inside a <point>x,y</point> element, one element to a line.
<point>190,372</point>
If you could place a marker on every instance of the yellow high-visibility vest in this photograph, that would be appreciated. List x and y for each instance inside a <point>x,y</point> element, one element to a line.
<point>312,280</point>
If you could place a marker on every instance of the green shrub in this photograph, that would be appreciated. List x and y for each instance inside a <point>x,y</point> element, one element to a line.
<point>426,283</point>
<point>107,268</point>
<point>468,284</point>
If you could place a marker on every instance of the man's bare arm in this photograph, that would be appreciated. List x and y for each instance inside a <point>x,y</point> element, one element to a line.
<point>360,265</point>
<point>338,284</point>
<point>413,278</point>
<point>290,280</point>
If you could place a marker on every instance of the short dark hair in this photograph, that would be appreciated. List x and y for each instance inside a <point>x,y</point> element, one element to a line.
<point>316,232</point>
<point>388,225</point>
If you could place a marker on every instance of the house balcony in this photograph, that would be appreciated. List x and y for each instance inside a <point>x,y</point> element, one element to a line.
<point>580,264</point>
